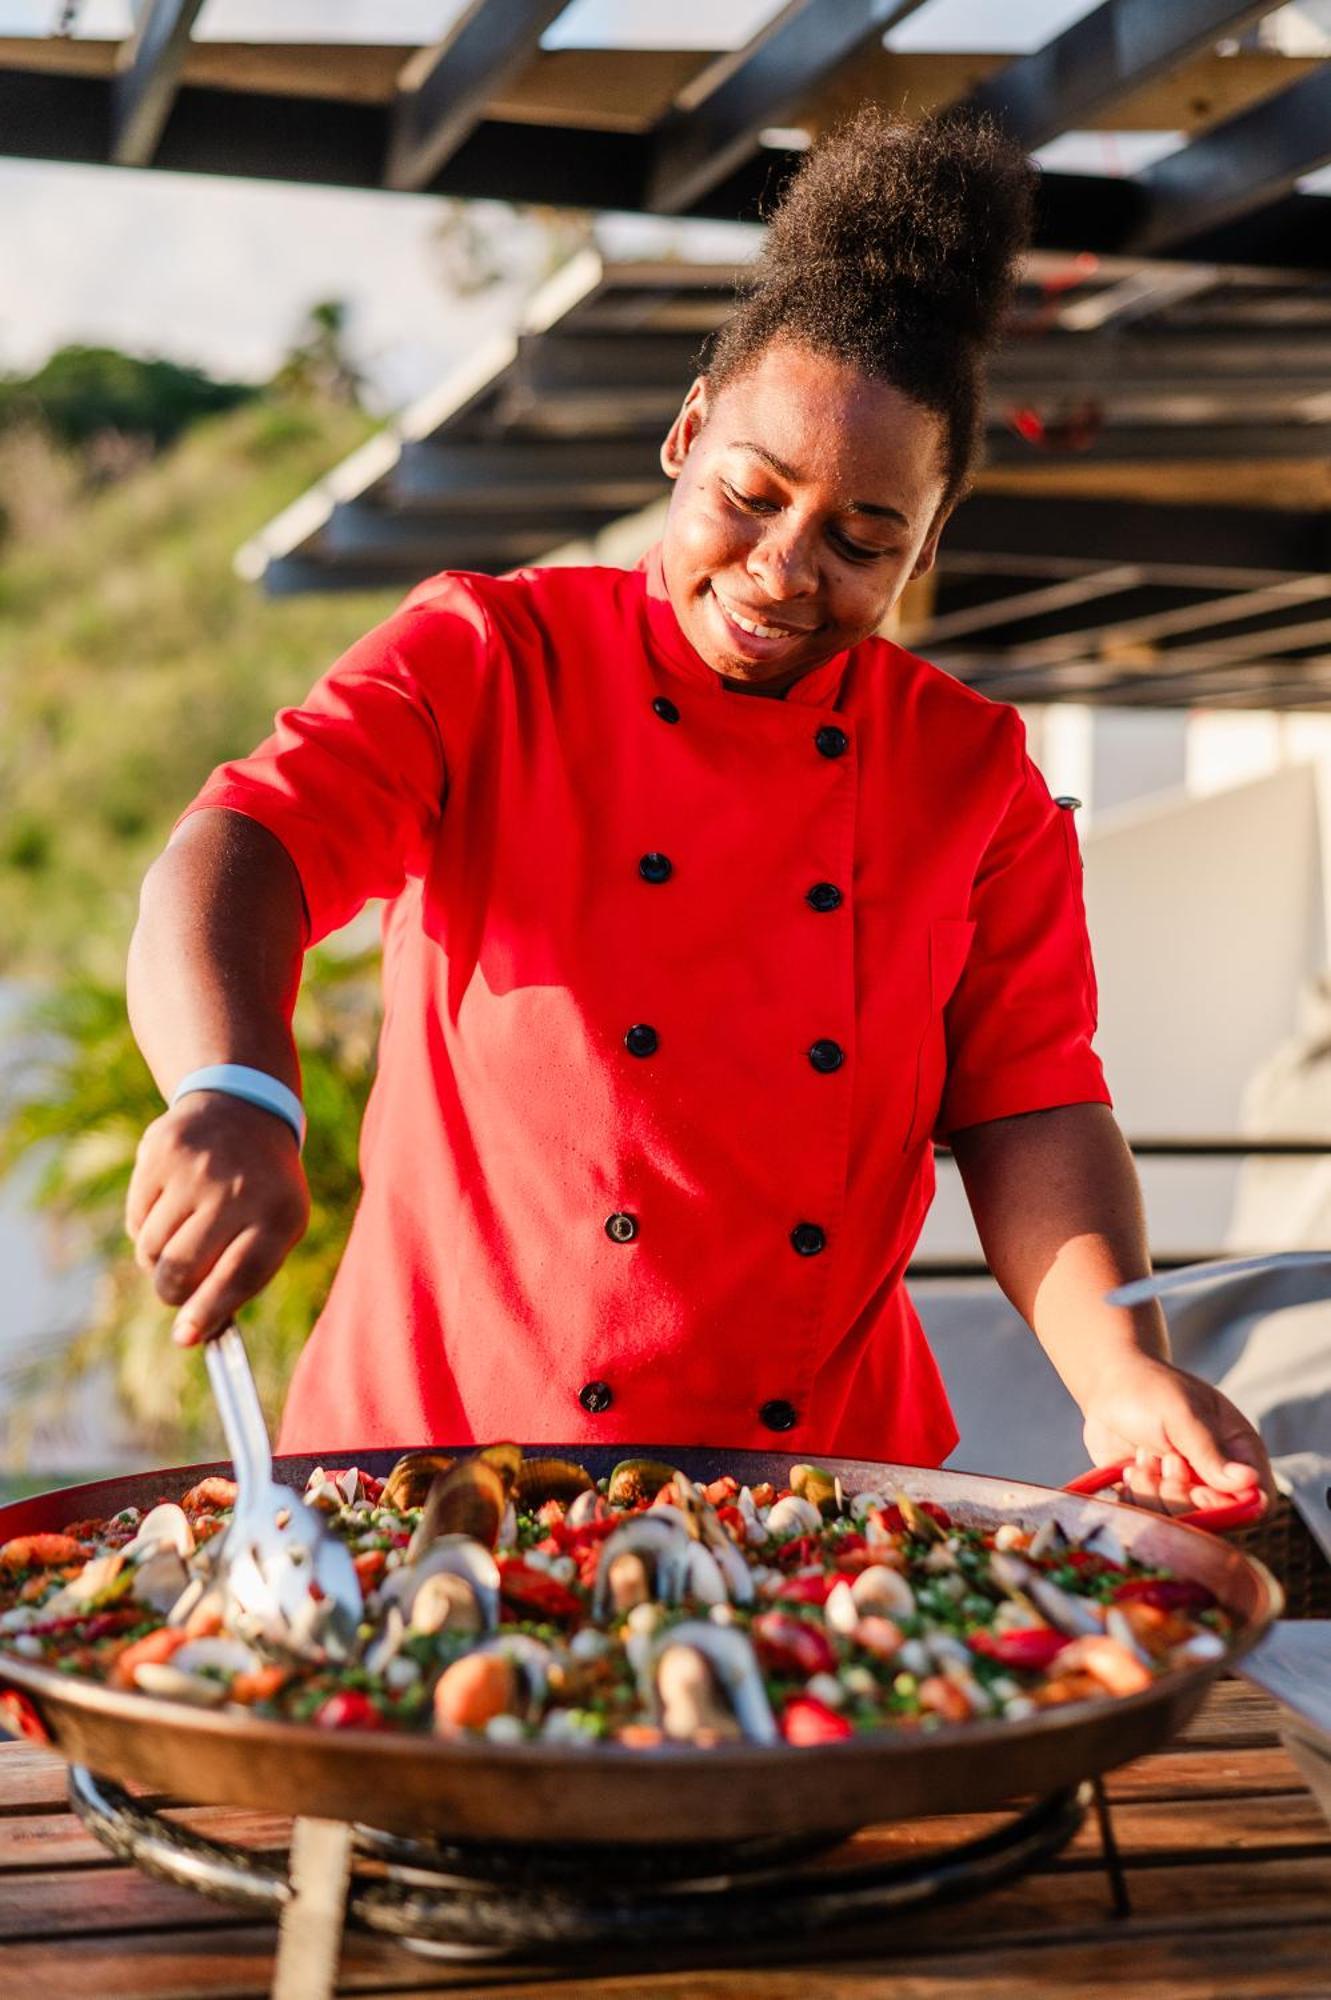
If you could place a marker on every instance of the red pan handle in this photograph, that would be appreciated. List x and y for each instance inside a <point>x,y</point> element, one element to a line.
<point>1239,1513</point>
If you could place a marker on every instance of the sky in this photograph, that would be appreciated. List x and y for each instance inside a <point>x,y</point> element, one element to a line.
<point>221,272</point>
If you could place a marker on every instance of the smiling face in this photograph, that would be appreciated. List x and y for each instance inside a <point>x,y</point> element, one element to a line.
<point>807,495</point>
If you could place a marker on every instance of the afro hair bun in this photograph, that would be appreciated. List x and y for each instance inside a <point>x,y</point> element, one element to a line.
<point>934,214</point>
<point>895,247</point>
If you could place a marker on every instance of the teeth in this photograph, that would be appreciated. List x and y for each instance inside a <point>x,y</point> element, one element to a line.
<point>758,631</point>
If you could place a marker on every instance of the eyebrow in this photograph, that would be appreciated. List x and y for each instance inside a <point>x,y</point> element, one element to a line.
<point>785,471</point>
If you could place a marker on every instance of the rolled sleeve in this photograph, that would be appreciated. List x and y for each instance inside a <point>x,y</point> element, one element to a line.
<point>1020,1022</point>
<point>352,782</point>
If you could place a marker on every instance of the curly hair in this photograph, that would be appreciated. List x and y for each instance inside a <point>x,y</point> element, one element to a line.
<point>894,247</point>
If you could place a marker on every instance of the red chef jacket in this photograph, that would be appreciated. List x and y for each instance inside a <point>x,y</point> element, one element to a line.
<point>680,985</point>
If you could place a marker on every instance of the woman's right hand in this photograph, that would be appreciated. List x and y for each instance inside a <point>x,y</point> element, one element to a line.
<point>217,1198</point>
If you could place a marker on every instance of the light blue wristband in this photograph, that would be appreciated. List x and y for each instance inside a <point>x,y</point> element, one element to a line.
<point>254,1085</point>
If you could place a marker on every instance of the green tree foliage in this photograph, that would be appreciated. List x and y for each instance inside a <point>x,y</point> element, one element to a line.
<point>83,392</point>
<point>76,1110</point>
<point>132,660</point>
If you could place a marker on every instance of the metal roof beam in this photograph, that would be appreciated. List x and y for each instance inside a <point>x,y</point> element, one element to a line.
<point>145,88</point>
<point>1211,614</point>
<point>1161,539</point>
<point>717,128</point>
<point>1065,85</point>
<point>1168,444</point>
<point>1238,168</point>
<point>614,474</point>
<point>439,109</point>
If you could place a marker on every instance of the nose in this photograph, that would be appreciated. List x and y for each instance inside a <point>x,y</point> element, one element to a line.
<point>783,562</point>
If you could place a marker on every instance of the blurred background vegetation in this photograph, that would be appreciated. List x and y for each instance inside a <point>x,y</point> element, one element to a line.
<point>132,660</point>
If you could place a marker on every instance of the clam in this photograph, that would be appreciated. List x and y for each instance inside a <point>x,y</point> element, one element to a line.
<point>388,1644</point>
<point>585,1508</point>
<point>412,1477</point>
<point>160,1580</point>
<point>164,1677</point>
<point>323,1492</point>
<point>794,1516</point>
<point>635,1480</point>
<point>542,1479</point>
<point>217,1655</point>
<point>470,1499</point>
<point>452,1555</point>
<point>660,1552</point>
<point>736,1572</point>
<point>704,1580</point>
<point>1049,1535</point>
<point>881,1592</point>
<point>165,1526</point>
<point>706,1677</point>
<point>1119,1627</point>
<point>102,1580</point>
<point>754,1531</point>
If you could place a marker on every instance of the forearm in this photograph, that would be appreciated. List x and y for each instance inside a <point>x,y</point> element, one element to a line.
<point>214,964</point>
<point>1059,1215</point>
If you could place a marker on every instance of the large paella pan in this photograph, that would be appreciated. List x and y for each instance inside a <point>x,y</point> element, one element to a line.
<point>477,1787</point>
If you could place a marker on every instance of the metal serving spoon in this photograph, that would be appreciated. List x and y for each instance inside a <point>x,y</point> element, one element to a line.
<point>1255,1284</point>
<point>289,1582</point>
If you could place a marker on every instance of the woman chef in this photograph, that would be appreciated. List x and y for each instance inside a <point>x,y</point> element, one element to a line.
<point>708,912</point>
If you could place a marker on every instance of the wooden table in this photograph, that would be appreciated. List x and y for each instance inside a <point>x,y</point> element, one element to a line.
<point>1227,1854</point>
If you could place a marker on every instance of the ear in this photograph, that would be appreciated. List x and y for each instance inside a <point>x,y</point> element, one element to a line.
<point>683,433</point>
<point>928,555</point>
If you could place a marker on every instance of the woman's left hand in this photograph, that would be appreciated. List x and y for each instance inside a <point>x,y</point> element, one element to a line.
<point>1188,1443</point>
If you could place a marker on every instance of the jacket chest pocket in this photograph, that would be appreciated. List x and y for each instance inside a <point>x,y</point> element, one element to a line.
<point>949,942</point>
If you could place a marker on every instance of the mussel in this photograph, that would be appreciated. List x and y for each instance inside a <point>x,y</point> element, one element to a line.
<point>706,1677</point>
<point>821,1489</point>
<point>637,1480</point>
<point>542,1479</point>
<point>452,1555</point>
<point>647,1558</point>
<point>412,1477</point>
<point>1078,1617</point>
<point>469,1499</point>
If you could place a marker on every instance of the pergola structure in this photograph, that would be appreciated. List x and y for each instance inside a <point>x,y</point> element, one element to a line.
<point>1154,526</point>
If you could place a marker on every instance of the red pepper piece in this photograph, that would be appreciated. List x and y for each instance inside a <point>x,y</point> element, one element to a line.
<point>732,1519</point>
<point>808,1589</point>
<point>890,1519</point>
<point>371,1487</point>
<point>1032,1647</point>
<point>534,1593</point>
<point>789,1645</point>
<point>798,1552</point>
<point>806,1720</point>
<point>370,1566</point>
<point>1165,1593</point>
<point>348,1708</point>
<point>1089,1561</point>
<point>573,1541</point>
<point>936,1513</point>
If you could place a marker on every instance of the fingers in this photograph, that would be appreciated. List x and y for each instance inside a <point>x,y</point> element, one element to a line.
<point>216,1200</point>
<point>1225,1453</point>
<point>243,1268</point>
<point>145,1183</point>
